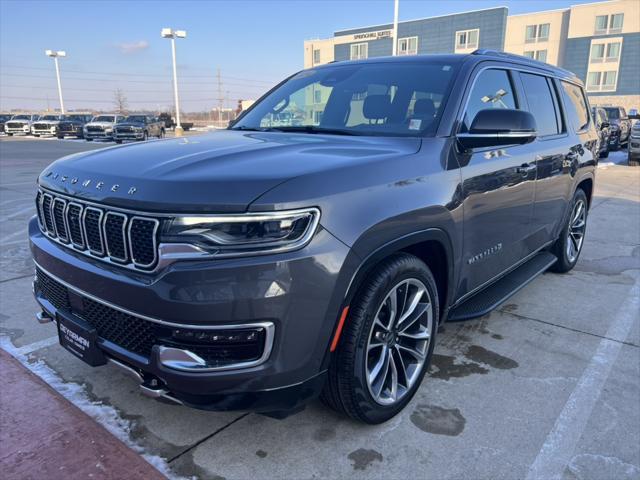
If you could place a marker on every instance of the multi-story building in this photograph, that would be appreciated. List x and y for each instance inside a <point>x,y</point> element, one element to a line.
<point>600,42</point>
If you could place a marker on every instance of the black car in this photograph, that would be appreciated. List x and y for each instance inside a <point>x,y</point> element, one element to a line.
<point>620,126</point>
<point>138,127</point>
<point>3,119</point>
<point>72,125</point>
<point>258,267</point>
<point>603,128</point>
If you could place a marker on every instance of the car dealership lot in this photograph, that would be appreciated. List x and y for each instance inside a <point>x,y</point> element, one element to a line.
<point>548,385</point>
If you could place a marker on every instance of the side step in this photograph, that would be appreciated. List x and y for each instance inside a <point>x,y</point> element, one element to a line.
<point>486,300</point>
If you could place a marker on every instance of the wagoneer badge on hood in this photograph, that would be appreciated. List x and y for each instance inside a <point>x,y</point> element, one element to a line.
<point>88,182</point>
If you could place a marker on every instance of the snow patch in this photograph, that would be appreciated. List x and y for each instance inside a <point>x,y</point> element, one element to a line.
<point>106,415</point>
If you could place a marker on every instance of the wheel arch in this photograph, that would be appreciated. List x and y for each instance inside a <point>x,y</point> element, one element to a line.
<point>586,185</point>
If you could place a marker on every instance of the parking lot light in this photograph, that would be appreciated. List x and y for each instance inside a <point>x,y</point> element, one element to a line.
<point>173,34</point>
<point>55,54</point>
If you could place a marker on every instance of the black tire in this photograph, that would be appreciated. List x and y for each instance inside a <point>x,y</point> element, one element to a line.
<point>10,134</point>
<point>604,154</point>
<point>118,141</point>
<point>89,139</point>
<point>161,135</point>
<point>60,137</point>
<point>346,390</point>
<point>36,135</point>
<point>633,162</point>
<point>561,246</point>
<point>145,137</point>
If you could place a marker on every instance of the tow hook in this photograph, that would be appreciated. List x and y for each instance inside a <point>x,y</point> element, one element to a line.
<point>43,317</point>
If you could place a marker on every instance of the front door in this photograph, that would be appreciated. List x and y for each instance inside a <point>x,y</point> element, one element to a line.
<point>498,186</point>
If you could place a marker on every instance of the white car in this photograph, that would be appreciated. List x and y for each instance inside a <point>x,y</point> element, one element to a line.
<point>20,124</point>
<point>101,127</point>
<point>46,125</point>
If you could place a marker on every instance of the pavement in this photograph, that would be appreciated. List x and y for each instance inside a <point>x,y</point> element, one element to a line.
<point>546,386</point>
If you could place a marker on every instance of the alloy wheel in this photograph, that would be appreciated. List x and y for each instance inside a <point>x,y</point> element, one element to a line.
<point>399,341</point>
<point>577,227</point>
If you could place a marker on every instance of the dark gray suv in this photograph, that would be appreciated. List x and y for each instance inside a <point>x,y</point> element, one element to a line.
<point>314,247</point>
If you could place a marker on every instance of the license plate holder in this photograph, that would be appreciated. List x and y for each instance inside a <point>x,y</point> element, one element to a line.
<point>81,339</point>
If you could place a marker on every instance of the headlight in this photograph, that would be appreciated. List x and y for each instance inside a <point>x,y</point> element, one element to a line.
<point>245,234</point>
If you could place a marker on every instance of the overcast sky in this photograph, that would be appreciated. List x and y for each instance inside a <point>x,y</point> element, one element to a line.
<point>117,44</point>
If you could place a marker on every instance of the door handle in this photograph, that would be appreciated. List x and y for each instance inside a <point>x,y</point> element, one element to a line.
<point>525,168</point>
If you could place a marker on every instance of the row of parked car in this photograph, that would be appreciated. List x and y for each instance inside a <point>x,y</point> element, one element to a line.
<point>616,130</point>
<point>114,127</point>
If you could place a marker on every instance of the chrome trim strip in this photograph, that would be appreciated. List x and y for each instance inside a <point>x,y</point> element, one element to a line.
<point>39,198</point>
<point>124,237</point>
<point>52,232</point>
<point>154,237</point>
<point>84,224</point>
<point>126,368</point>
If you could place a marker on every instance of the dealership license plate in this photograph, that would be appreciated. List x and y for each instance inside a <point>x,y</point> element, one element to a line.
<point>80,339</point>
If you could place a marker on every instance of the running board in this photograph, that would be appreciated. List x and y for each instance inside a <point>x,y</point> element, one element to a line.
<point>486,300</point>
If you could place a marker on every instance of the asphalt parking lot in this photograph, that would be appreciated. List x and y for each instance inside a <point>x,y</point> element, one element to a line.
<point>546,386</point>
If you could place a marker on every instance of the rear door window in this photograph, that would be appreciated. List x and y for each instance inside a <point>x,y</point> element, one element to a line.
<point>492,89</point>
<point>542,104</point>
<point>576,105</point>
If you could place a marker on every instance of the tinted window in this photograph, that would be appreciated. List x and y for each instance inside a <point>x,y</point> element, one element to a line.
<point>613,113</point>
<point>542,103</point>
<point>492,89</point>
<point>400,99</point>
<point>576,105</point>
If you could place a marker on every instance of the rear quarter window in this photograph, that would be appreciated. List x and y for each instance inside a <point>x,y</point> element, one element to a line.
<point>576,105</point>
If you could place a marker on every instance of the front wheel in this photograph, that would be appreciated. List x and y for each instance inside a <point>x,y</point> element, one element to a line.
<point>161,134</point>
<point>569,244</point>
<point>118,141</point>
<point>145,137</point>
<point>387,342</point>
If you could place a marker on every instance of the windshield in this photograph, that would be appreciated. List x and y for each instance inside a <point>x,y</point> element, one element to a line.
<point>4,118</point>
<point>21,117</point>
<point>136,118</point>
<point>388,99</point>
<point>103,118</point>
<point>50,117</point>
<point>613,113</point>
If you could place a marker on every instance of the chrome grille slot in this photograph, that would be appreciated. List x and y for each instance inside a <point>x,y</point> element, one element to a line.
<point>58,209</point>
<point>142,237</point>
<point>93,231</point>
<point>115,225</point>
<point>74,222</point>
<point>113,235</point>
<point>47,200</point>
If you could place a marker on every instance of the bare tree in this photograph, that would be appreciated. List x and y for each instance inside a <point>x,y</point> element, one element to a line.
<point>120,101</point>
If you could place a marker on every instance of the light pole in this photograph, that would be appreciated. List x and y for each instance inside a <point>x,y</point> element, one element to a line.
<point>173,34</point>
<point>395,28</point>
<point>55,55</point>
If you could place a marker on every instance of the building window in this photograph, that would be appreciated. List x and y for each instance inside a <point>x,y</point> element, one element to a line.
<point>359,51</point>
<point>609,23</point>
<point>408,46</point>
<point>317,117</point>
<point>605,52</point>
<point>467,39</point>
<point>316,56</point>
<point>602,81</point>
<point>317,96</point>
<point>540,55</point>
<point>537,33</point>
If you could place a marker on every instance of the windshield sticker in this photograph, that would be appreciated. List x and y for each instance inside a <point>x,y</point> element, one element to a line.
<point>414,124</point>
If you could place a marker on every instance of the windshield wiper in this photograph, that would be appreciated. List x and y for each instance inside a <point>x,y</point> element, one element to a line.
<point>247,129</point>
<point>313,129</point>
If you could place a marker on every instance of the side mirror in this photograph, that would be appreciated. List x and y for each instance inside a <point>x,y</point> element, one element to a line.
<point>605,125</point>
<point>498,127</point>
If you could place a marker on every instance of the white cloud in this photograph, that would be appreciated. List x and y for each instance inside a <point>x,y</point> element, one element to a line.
<point>127,48</point>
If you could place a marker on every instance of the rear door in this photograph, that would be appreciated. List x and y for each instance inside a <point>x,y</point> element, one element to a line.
<point>497,188</point>
<point>555,159</point>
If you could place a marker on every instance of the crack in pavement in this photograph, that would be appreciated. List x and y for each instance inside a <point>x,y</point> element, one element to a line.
<point>204,439</point>
<point>524,317</point>
<point>16,278</point>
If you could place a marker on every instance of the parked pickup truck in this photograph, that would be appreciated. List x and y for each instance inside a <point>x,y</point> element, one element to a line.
<point>170,123</point>
<point>4,117</point>
<point>101,127</point>
<point>20,124</point>
<point>138,127</point>
<point>72,125</point>
<point>46,125</point>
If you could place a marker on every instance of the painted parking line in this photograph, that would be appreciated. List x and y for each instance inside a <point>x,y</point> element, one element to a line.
<point>560,444</point>
<point>18,213</point>
<point>3,240</point>
<point>35,346</point>
<point>14,184</point>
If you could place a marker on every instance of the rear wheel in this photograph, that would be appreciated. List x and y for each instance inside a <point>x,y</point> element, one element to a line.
<point>387,342</point>
<point>145,137</point>
<point>89,139</point>
<point>118,141</point>
<point>569,245</point>
<point>604,154</point>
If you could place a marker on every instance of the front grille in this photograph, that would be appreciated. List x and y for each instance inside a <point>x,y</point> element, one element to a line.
<point>14,125</point>
<point>41,126</point>
<point>138,335</point>
<point>94,129</point>
<point>104,233</point>
<point>125,130</point>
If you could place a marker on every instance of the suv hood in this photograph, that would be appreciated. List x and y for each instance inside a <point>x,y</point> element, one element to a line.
<point>131,124</point>
<point>100,124</point>
<point>219,172</point>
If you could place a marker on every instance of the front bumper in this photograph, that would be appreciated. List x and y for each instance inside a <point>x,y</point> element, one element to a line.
<point>128,135</point>
<point>300,293</point>
<point>634,146</point>
<point>97,134</point>
<point>25,130</point>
